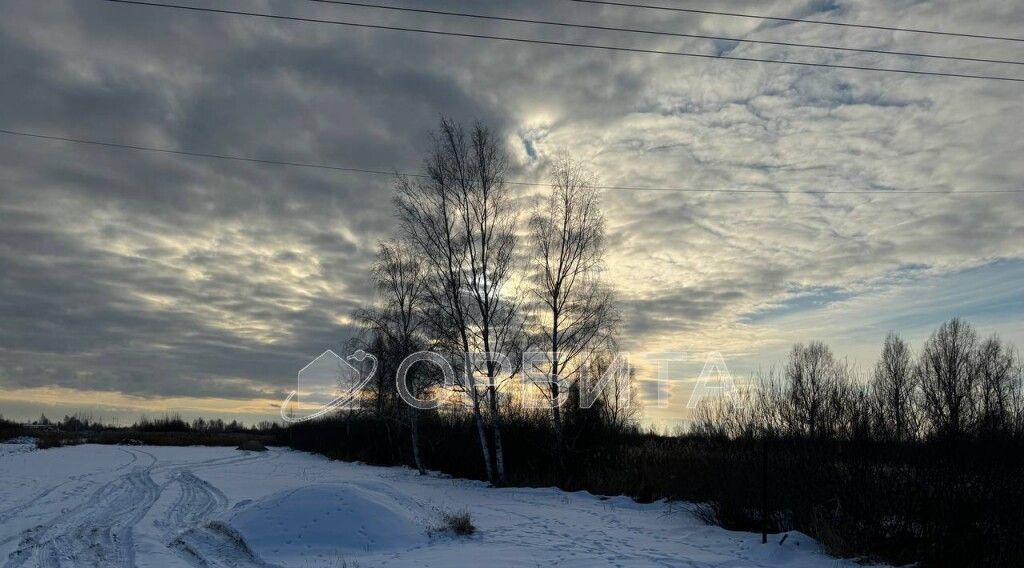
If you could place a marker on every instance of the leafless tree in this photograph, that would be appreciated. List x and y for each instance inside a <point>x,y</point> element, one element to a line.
<point>996,369</point>
<point>1017,400</point>
<point>770,402</point>
<point>894,389</point>
<point>620,396</point>
<point>398,323</point>
<point>735,416</point>
<point>461,220</point>
<point>946,370</point>
<point>573,312</point>
<point>817,390</point>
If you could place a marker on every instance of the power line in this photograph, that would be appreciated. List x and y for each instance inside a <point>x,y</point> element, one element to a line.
<point>563,43</point>
<point>289,163</point>
<point>201,154</point>
<point>799,20</point>
<point>663,33</point>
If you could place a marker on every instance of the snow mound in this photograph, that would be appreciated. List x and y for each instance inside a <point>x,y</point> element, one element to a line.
<point>325,520</point>
<point>216,544</point>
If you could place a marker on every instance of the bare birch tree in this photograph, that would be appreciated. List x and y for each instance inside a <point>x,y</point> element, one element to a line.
<point>461,217</point>
<point>574,312</point>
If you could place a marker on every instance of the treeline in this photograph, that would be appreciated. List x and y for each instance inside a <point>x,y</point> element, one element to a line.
<point>922,462</point>
<point>957,387</point>
<point>168,430</point>
<point>175,423</point>
<point>595,455</point>
<point>83,422</point>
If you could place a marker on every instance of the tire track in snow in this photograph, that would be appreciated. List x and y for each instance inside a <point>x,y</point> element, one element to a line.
<point>96,533</point>
<point>10,513</point>
<point>208,543</point>
<point>216,462</point>
<point>99,531</point>
<point>197,502</point>
<point>217,545</point>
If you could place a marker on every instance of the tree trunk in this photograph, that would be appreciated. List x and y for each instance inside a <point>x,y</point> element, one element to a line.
<point>414,428</point>
<point>499,450</point>
<point>348,436</point>
<point>391,442</point>
<point>556,416</point>
<point>556,411</point>
<point>485,447</point>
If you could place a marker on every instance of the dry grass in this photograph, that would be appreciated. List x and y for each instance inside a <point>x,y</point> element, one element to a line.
<point>459,523</point>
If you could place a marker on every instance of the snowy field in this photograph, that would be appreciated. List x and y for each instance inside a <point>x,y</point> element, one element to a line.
<point>157,507</point>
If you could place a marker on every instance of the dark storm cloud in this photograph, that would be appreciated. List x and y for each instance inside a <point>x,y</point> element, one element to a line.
<point>157,275</point>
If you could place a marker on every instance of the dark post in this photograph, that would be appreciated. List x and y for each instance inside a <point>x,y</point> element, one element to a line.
<point>764,489</point>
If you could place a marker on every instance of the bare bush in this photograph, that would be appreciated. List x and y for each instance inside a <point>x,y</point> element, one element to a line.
<point>459,523</point>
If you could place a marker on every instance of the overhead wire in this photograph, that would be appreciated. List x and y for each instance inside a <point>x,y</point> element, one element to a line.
<point>372,171</point>
<point>798,20</point>
<point>574,25</point>
<point>522,40</point>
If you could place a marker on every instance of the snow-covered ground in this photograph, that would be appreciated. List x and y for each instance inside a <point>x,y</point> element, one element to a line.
<point>160,507</point>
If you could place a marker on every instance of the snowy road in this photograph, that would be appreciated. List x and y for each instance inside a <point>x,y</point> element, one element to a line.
<point>155,507</point>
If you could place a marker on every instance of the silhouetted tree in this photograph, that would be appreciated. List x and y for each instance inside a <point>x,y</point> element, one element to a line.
<point>461,220</point>
<point>397,325</point>
<point>621,404</point>
<point>946,370</point>
<point>573,312</point>
<point>996,368</point>
<point>894,389</point>
<point>815,390</point>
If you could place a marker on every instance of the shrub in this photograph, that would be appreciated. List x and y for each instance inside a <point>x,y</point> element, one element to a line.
<point>459,523</point>
<point>252,446</point>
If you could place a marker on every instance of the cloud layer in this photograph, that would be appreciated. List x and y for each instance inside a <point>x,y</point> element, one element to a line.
<point>166,276</point>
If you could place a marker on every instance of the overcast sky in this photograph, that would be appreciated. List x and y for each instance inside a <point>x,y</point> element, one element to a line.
<point>137,282</point>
